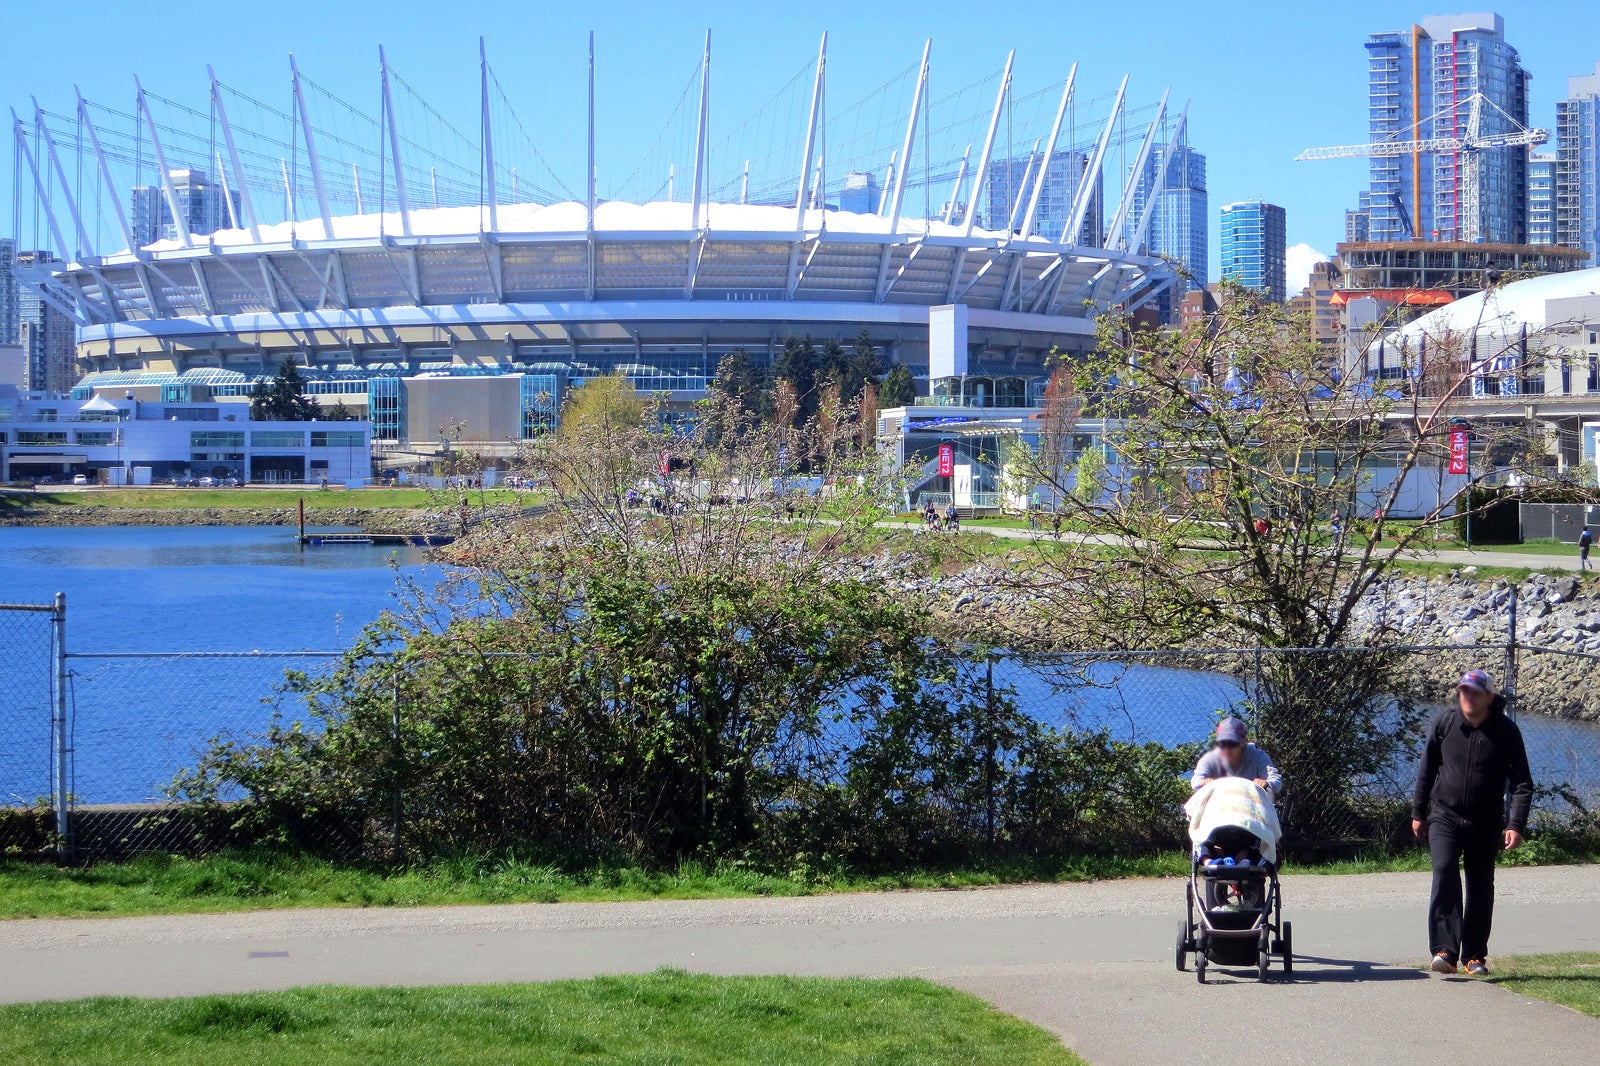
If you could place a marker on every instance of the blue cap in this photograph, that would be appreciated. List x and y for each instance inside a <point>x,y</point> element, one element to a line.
<point>1231,729</point>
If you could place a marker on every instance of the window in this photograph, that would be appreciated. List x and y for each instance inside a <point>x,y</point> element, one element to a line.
<point>216,439</point>
<point>277,438</point>
<point>96,438</point>
<point>321,438</point>
<point>41,436</point>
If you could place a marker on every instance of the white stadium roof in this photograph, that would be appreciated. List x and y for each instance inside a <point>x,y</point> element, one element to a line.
<point>1504,311</point>
<point>611,217</point>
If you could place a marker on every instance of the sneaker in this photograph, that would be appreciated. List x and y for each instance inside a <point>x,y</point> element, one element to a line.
<point>1476,968</point>
<point>1442,963</point>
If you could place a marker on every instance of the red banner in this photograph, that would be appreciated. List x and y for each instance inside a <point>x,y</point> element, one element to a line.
<point>1458,451</point>
<point>947,460</point>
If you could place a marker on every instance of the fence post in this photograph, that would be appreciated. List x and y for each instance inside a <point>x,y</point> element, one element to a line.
<point>399,801</point>
<point>1510,685</point>
<point>61,734</point>
<point>989,753</point>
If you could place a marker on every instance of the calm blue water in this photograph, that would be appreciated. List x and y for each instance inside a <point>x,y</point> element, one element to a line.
<point>193,587</point>
<point>162,590</point>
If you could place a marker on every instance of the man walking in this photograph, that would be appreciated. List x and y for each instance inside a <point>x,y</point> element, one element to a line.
<point>1584,540</point>
<point>1472,755</point>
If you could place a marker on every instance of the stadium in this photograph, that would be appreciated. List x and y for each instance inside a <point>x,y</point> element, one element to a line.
<point>430,283</point>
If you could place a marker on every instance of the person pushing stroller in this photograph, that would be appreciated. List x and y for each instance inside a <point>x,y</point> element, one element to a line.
<point>1234,756</point>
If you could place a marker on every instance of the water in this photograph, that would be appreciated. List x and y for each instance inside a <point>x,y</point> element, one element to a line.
<point>196,588</point>
<point>143,589</point>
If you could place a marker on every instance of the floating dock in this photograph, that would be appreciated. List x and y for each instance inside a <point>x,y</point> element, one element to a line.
<point>398,540</point>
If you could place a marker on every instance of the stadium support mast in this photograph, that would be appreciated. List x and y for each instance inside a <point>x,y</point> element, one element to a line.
<point>589,243</point>
<point>233,157</point>
<point>1135,240</point>
<point>311,152</point>
<point>1091,172</point>
<point>179,216</point>
<point>955,191</point>
<point>394,146</point>
<point>84,244</point>
<point>100,164</point>
<point>697,193</point>
<point>38,184</point>
<point>911,138</point>
<point>1119,221</point>
<point>981,179</point>
<point>802,195</point>
<point>490,192</point>
<point>1050,150</point>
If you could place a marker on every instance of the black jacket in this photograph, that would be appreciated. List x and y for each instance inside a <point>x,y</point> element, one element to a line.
<point>1466,770</point>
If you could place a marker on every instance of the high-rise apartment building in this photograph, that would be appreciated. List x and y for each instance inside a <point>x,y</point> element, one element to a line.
<point>1358,221</point>
<point>1577,170</point>
<point>860,193</point>
<point>8,291</point>
<point>1254,247</point>
<point>204,206</point>
<point>1010,185</point>
<point>1180,221</point>
<point>47,336</point>
<point>1419,83</point>
<point>1542,199</point>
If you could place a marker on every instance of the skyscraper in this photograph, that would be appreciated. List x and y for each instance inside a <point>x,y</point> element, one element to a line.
<point>1254,243</point>
<point>1419,83</point>
<point>860,193</point>
<point>201,200</point>
<point>8,291</point>
<point>1542,199</point>
<point>46,334</point>
<point>1180,223</point>
<point>1577,171</point>
<point>1006,198</point>
<point>1358,220</point>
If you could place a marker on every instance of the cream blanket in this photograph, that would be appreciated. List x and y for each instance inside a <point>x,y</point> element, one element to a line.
<point>1234,801</point>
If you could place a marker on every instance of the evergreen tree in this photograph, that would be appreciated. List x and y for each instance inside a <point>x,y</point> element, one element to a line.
<point>863,368</point>
<point>797,367</point>
<point>283,399</point>
<point>741,382</point>
<point>898,388</point>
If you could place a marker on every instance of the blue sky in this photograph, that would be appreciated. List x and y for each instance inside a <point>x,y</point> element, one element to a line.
<point>1265,79</point>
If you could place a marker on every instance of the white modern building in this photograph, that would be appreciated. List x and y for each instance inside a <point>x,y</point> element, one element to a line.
<point>132,441</point>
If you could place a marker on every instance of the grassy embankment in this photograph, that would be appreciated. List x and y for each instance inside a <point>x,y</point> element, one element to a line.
<point>1572,980</point>
<point>663,1017</point>
<point>260,880</point>
<point>161,499</point>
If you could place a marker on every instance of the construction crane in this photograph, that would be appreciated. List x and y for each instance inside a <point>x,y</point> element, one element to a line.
<point>1469,145</point>
<point>1407,231</point>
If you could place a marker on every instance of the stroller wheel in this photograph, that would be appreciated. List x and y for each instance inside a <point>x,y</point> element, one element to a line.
<point>1263,955</point>
<point>1183,945</point>
<point>1288,949</point>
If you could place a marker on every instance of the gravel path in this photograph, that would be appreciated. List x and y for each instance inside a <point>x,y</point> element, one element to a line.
<point>1092,963</point>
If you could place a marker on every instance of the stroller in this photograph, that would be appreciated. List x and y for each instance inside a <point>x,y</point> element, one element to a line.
<point>1234,902</point>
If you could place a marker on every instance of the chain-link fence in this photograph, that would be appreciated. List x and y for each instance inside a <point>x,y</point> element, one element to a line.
<point>29,718</point>
<point>1001,754</point>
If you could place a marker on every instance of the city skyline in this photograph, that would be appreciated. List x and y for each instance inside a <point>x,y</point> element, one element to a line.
<point>1249,137</point>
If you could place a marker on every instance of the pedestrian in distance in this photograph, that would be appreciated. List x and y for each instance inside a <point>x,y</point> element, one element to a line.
<point>1472,757</point>
<point>1585,539</point>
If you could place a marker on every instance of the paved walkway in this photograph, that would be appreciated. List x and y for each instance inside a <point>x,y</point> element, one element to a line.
<point>1092,963</point>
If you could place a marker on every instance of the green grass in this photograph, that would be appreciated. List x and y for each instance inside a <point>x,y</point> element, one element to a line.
<point>261,880</point>
<point>1571,980</point>
<point>658,1019</point>
<point>234,881</point>
<point>254,498</point>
